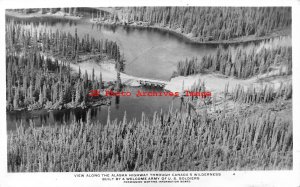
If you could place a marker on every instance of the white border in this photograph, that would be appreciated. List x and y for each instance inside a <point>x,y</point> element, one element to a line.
<point>249,178</point>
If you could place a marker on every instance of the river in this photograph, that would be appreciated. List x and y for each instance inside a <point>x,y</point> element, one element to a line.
<point>149,53</point>
<point>132,105</point>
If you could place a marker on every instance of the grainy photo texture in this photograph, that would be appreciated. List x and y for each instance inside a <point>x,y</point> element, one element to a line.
<point>149,89</point>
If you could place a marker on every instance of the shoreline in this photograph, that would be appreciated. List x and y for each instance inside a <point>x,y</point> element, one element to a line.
<point>193,40</point>
<point>186,37</point>
<point>58,106</point>
<point>109,73</point>
<point>107,68</point>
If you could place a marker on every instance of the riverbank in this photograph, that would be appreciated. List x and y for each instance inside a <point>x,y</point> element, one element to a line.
<point>91,101</point>
<point>216,83</point>
<point>176,84</point>
<point>58,14</point>
<point>81,145</point>
<point>109,73</point>
<point>189,38</point>
<point>49,106</point>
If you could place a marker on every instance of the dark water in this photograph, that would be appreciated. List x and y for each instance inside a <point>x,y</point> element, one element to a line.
<point>134,106</point>
<point>148,53</point>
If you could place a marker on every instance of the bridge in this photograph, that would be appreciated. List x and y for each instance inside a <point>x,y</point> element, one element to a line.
<point>135,81</point>
<point>152,83</point>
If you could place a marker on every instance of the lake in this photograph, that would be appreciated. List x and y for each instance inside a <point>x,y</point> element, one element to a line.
<point>132,105</point>
<point>149,53</point>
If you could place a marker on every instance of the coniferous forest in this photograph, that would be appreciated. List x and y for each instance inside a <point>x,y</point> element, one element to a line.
<point>35,81</point>
<point>259,140</point>
<point>240,64</point>
<point>246,123</point>
<point>202,24</point>
<point>212,24</point>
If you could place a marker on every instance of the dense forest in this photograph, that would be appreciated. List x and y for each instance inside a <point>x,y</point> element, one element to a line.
<point>252,94</point>
<point>34,80</point>
<point>201,23</point>
<point>268,93</point>
<point>60,44</point>
<point>213,24</point>
<point>259,138</point>
<point>240,64</point>
<point>248,127</point>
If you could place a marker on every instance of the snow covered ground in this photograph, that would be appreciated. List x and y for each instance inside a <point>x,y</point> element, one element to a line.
<point>58,14</point>
<point>216,83</point>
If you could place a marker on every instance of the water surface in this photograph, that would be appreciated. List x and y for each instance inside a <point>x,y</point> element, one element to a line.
<point>149,53</point>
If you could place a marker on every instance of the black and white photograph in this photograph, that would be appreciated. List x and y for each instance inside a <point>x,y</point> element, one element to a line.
<point>139,89</point>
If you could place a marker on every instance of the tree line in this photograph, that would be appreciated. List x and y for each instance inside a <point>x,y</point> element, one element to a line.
<point>202,23</point>
<point>59,43</point>
<point>35,80</point>
<point>267,93</point>
<point>252,95</point>
<point>174,141</point>
<point>240,63</point>
<point>213,23</point>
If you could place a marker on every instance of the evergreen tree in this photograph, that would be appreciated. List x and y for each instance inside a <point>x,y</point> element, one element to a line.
<point>61,95</point>
<point>77,95</point>
<point>100,81</point>
<point>70,11</point>
<point>41,97</point>
<point>75,11</point>
<point>16,98</point>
